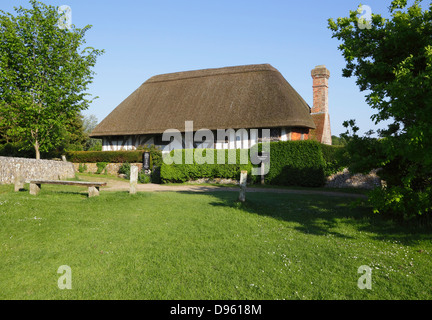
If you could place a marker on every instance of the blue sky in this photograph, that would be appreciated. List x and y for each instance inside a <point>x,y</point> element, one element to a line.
<point>146,38</point>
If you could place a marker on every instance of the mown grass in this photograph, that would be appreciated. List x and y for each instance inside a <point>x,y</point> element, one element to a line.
<point>204,246</point>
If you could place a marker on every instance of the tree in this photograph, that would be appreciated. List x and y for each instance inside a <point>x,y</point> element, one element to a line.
<point>392,61</point>
<point>89,123</point>
<point>338,141</point>
<point>44,75</point>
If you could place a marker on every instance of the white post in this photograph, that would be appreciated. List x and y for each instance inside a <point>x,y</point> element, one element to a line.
<point>133,179</point>
<point>243,180</point>
<point>19,181</point>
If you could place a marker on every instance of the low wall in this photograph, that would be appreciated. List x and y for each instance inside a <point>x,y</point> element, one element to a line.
<point>111,168</point>
<point>31,169</point>
<point>345,179</point>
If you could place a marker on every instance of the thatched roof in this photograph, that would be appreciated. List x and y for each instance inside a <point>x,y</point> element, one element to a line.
<point>253,96</point>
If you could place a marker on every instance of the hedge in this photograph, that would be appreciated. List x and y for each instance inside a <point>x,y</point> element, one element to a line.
<point>296,163</point>
<point>185,172</point>
<point>113,156</point>
<point>293,163</point>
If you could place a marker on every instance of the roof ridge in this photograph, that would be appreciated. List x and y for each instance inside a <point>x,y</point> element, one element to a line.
<point>210,72</point>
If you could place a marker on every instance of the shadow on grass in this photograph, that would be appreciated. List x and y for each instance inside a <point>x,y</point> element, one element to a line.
<point>322,215</point>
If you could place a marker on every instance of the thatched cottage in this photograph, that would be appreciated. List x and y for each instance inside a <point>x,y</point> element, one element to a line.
<point>243,97</point>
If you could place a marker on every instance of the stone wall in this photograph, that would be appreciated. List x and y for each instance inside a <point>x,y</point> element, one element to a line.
<point>345,179</point>
<point>32,169</point>
<point>111,168</point>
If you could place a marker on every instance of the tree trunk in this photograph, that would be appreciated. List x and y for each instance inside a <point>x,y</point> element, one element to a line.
<point>36,146</point>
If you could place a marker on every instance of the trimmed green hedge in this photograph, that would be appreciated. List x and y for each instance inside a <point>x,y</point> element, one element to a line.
<point>296,163</point>
<point>293,163</point>
<point>113,156</point>
<point>185,172</point>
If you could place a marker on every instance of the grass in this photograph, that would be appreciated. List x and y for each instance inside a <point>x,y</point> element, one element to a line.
<point>204,246</point>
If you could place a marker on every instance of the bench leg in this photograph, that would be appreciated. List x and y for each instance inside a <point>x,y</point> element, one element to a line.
<point>34,188</point>
<point>93,192</point>
<point>18,185</point>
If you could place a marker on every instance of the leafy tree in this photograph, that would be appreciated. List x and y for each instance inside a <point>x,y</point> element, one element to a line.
<point>392,61</point>
<point>74,137</point>
<point>338,141</point>
<point>89,123</point>
<point>44,75</point>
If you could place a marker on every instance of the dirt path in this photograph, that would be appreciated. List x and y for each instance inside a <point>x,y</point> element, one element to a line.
<point>117,185</point>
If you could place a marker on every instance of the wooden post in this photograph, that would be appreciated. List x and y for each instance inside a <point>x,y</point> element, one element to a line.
<point>133,179</point>
<point>243,180</point>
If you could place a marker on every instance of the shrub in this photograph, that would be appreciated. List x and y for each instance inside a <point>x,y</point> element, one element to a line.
<point>296,163</point>
<point>82,168</point>
<point>125,169</point>
<point>101,167</point>
<point>402,203</point>
<point>115,156</point>
<point>143,178</point>
<point>104,156</point>
<point>185,172</point>
<point>336,158</point>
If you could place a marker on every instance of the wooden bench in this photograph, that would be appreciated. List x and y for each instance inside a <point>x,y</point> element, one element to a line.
<point>93,187</point>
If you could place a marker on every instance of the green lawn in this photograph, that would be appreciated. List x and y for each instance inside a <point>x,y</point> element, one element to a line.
<point>204,246</point>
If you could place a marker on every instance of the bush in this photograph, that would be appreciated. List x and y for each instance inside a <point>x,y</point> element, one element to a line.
<point>185,172</point>
<point>101,167</point>
<point>115,156</point>
<point>293,163</point>
<point>296,163</point>
<point>82,168</point>
<point>336,159</point>
<point>402,203</point>
<point>104,156</point>
<point>143,178</point>
<point>125,169</point>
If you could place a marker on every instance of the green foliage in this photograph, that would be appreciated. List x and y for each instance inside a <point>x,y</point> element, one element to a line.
<point>125,169</point>
<point>336,158</point>
<point>88,124</point>
<point>111,156</point>
<point>185,172</point>
<point>144,178</point>
<point>82,168</point>
<point>44,72</point>
<point>392,61</point>
<point>155,155</point>
<point>403,203</point>
<point>338,141</point>
<point>101,166</point>
<point>296,163</point>
<point>15,150</point>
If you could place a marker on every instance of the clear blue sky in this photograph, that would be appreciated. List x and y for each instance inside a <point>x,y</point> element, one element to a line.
<point>146,38</point>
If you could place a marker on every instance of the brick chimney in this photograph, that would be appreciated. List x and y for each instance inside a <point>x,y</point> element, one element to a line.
<point>320,109</point>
